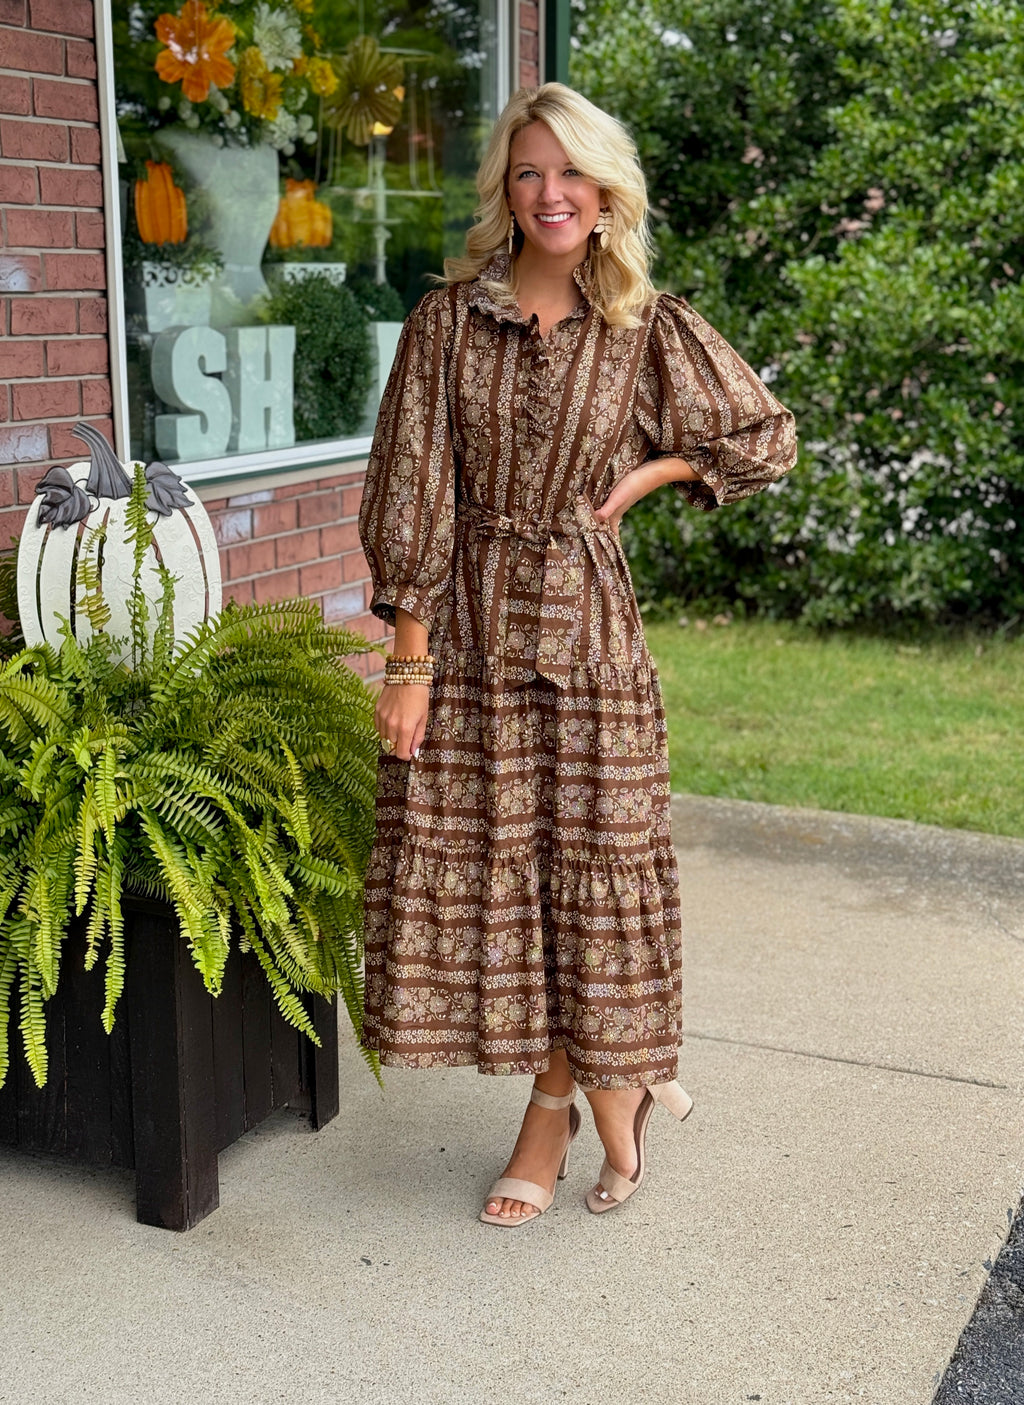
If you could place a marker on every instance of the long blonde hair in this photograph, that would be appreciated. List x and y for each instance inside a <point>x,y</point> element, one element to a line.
<point>602,150</point>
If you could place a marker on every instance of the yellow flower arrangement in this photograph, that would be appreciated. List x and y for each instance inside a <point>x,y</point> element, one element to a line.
<point>264,91</point>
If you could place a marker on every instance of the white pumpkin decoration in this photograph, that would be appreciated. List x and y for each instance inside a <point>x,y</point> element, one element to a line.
<point>69,503</point>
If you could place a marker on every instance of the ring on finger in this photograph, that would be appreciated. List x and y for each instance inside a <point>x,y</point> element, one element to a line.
<point>386,744</point>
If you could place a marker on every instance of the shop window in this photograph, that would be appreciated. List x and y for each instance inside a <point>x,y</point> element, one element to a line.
<point>291,172</point>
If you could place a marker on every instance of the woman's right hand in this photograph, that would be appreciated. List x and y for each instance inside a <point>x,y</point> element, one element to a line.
<point>401,715</point>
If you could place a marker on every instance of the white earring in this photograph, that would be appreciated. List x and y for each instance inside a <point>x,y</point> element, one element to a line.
<point>603,226</point>
<point>511,232</point>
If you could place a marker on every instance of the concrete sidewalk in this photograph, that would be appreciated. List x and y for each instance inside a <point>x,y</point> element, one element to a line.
<point>817,1231</point>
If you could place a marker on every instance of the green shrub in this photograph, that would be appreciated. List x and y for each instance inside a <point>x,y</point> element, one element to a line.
<point>332,354</point>
<point>379,301</point>
<point>839,190</point>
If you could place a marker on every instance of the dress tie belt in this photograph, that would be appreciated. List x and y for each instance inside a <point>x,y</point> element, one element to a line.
<point>561,588</point>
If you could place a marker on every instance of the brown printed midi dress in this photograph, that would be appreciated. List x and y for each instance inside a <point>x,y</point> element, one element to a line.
<point>522,893</point>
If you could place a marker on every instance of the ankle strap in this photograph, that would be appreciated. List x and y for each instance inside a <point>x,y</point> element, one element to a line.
<point>547,1100</point>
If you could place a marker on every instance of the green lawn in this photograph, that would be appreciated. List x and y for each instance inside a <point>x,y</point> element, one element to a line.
<point>762,711</point>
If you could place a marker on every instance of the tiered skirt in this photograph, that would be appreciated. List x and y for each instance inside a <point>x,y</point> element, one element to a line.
<point>523,892</point>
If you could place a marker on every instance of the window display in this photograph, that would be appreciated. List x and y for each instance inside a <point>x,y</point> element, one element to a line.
<point>291,172</point>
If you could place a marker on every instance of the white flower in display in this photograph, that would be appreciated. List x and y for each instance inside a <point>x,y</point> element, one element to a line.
<point>277,35</point>
<point>286,129</point>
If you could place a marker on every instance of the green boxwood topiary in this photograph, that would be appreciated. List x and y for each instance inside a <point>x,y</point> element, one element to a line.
<point>332,354</point>
<point>380,301</point>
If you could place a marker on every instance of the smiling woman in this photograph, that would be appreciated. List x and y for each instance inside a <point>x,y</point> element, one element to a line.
<point>522,899</point>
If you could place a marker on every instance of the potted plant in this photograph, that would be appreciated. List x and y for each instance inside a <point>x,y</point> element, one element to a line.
<point>170,270</point>
<point>191,820</point>
<point>301,237</point>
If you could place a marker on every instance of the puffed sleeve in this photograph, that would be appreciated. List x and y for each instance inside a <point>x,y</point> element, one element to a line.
<point>698,399</point>
<point>407,512</point>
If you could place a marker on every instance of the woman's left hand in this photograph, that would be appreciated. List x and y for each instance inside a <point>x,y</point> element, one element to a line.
<point>630,488</point>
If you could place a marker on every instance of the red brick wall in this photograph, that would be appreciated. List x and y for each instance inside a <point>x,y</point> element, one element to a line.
<point>301,538</point>
<point>529,43</point>
<point>53,313</point>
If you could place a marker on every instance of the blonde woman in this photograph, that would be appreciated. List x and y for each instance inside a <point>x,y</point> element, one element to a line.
<point>522,899</point>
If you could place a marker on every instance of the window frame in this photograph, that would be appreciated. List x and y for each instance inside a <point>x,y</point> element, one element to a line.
<point>315,455</point>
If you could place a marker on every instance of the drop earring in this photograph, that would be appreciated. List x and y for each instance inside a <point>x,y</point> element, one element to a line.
<point>603,226</point>
<point>511,233</point>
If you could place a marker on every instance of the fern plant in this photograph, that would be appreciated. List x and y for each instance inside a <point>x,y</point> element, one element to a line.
<point>232,775</point>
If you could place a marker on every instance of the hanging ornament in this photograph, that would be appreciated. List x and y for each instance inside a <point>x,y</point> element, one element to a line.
<point>365,96</point>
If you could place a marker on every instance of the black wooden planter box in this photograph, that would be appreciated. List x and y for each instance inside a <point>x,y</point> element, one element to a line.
<point>181,1076</point>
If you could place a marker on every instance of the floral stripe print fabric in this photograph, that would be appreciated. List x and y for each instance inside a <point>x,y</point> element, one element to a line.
<point>523,892</point>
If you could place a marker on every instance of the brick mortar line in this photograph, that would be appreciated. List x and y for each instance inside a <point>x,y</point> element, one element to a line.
<point>30,73</point>
<point>46,33</point>
<point>37,252</point>
<point>273,536</point>
<point>22,251</point>
<point>46,424</point>
<point>53,165</point>
<point>280,570</point>
<point>78,124</point>
<point>291,565</point>
<point>66,379</point>
<point>41,209</point>
<point>62,292</point>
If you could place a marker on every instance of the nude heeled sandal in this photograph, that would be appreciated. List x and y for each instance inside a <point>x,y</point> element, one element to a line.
<point>510,1188</point>
<point>615,1188</point>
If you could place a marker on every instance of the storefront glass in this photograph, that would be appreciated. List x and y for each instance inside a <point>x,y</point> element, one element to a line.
<point>291,170</point>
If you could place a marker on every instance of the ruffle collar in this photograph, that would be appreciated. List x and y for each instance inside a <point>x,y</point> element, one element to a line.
<point>497,270</point>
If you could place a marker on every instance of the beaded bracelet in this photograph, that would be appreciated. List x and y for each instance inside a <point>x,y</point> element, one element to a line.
<point>409,668</point>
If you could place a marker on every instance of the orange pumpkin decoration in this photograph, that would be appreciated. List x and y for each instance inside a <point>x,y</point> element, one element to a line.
<point>301,221</point>
<point>160,210</point>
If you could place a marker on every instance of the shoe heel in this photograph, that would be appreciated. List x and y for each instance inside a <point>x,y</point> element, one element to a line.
<point>676,1099</point>
<point>574,1127</point>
